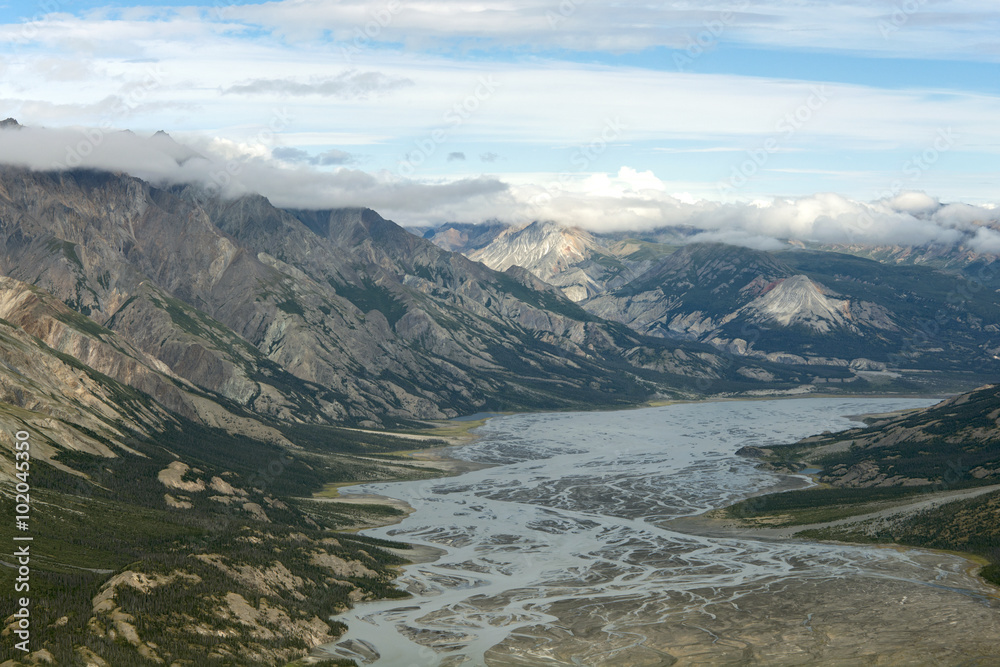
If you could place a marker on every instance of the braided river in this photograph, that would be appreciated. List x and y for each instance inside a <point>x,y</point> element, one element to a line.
<point>562,553</point>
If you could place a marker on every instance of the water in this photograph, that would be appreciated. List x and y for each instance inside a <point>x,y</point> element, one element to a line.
<point>562,554</point>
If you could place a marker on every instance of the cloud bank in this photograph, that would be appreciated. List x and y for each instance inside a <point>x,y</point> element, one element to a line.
<point>628,200</point>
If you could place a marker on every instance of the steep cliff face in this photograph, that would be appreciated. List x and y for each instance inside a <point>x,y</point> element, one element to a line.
<point>86,388</point>
<point>144,264</point>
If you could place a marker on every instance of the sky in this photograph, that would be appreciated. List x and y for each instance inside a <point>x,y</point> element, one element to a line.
<point>871,119</point>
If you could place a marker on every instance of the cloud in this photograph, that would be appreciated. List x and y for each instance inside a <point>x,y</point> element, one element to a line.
<point>334,156</point>
<point>633,25</point>
<point>285,175</point>
<point>349,84</point>
<point>915,203</point>
<point>325,159</point>
<point>488,157</point>
<point>456,156</point>
<point>291,154</point>
<point>985,241</point>
<point>633,200</point>
<point>627,200</point>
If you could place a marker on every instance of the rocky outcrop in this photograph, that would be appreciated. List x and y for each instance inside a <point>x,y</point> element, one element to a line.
<point>566,257</point>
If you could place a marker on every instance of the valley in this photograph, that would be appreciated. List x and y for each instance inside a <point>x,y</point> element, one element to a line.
<point>585,543</point>
<point>371,333</point>
<point>206,380</point>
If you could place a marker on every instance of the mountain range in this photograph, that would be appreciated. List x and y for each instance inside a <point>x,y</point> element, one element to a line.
<point>159,302</point>
<point>194,368</point>
<point>802,304</point>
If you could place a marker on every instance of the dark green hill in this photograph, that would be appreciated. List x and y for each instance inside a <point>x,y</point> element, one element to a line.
<point>950,449</point>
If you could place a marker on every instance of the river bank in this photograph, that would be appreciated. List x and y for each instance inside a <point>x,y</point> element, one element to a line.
<point>564,552</point>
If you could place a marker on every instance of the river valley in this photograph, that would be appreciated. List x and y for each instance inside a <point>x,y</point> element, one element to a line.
<point>562,553</point>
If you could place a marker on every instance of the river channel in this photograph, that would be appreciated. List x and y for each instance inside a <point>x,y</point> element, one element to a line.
<point>562,554</point>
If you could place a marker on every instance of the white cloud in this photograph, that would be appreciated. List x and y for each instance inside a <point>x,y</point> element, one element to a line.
<point>985,241</point>
<point>603,202</point>
<point>632,25</point>
<point>348,84</point>
<point>152,68</point>
<point>630,199</point>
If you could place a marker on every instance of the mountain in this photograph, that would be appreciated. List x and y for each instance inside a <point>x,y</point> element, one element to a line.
<point>285,317</point>
<point>937,255</point>
<point>954,443</point>
<point>799,306</point>
<point>568,258</point>
<point>192,371</point>
<point>464,237</point>
<point>302,315</point>
<point>752,302</point>
<point>163,143</point>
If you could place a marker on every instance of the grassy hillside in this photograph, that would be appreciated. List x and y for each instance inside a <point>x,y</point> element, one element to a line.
<point>202,548</point>
<point>884,474</point>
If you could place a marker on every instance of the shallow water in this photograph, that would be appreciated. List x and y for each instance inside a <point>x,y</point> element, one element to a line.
<point>559,554</point>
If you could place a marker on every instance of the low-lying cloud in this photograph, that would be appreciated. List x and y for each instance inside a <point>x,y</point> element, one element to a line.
<point>630,200</point>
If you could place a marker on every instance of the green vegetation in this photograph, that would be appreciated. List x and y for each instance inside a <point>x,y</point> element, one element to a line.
<point>368,297</point>
<point>816,505</point>
<point>291,307</point>
<point>267,542</point>
<point>969,526</point>
<point>66,249</point>
<point>949,447</point>
<point>82,323</point>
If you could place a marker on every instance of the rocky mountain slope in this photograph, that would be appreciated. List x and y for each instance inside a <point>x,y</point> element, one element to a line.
<point>185,367</point>
<point>751,302</point>
<point>795,306</point>
<point>311,316</point>
<point>192,370</point>
<point>954,443</point>
<point>567,258</point>
<point>579,263</point>
<point>464,237</point>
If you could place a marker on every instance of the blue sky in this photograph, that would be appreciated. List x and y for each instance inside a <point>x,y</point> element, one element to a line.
<point>592,113</point>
